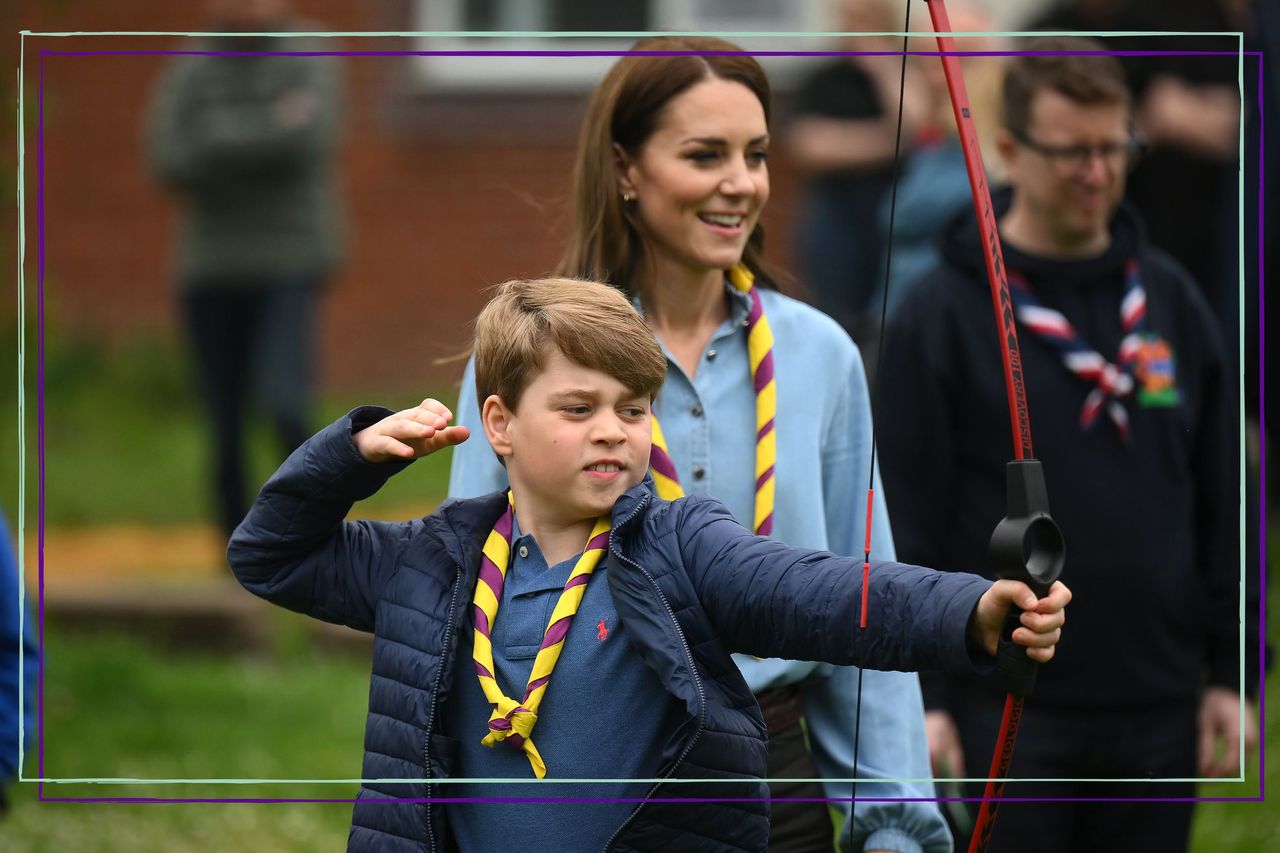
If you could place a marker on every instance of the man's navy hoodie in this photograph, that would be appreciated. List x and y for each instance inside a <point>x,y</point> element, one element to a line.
<point>1151,524</point>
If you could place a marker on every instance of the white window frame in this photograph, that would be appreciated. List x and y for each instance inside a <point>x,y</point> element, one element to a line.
<point>574,74</point>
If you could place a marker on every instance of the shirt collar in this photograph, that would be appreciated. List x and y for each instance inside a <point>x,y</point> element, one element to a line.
<point>534,574</point>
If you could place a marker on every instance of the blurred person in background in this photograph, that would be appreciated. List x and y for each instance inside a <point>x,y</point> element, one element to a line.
<point>1132,402</point>
<point>841,139</point>
<point>671,177</point>
<point>247,143</point>
<point>14,637</point>
<point>1188,111</point>
<point>933,186</point>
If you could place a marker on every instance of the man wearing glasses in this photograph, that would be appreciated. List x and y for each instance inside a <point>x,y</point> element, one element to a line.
<point>1134,414</point>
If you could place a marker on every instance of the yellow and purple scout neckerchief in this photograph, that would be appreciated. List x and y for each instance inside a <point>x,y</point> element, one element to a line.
<point>760,353</point>
<point>513,721</point>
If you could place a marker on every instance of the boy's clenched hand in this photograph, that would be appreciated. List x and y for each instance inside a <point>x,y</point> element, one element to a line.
<point>410,434</point>
<point>1041,619</point>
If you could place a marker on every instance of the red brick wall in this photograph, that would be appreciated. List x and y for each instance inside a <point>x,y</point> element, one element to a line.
<point>432,218</point>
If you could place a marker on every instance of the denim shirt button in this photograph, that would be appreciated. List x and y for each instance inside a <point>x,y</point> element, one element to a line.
<point>699,472</point>
<point>711,355</point>
<point>524,551</point>
<point>696,411</point>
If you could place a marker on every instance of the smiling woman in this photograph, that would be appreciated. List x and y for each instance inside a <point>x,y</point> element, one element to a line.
<point>698,183</point>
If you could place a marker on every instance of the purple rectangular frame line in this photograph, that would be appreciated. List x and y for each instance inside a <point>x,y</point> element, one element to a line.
<point>41,455</point>
<point>39,412</point>
<point>174,800</point>
<point>1262,452</point>
<point>602,53</point>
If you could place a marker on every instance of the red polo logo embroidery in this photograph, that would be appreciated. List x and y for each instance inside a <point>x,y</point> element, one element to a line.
<point>602,631</point>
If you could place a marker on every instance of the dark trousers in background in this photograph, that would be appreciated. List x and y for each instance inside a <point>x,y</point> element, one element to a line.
<point>251,340</point>
<point>1150,742</point>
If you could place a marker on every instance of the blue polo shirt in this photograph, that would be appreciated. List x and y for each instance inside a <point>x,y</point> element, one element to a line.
<point>604,716</point>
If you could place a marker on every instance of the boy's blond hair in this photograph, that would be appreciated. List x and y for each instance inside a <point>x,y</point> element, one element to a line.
<point>592,324</point>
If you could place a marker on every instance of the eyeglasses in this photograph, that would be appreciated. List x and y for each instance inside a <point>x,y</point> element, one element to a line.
<point>1078,157</point>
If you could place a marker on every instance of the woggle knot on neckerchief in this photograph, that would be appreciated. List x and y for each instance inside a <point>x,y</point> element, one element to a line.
<point>1115,383</point>
<point>512,722</point>
<point>760,355</point>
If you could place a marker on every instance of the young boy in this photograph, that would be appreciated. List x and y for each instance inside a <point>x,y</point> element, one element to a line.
<point>477,606</point>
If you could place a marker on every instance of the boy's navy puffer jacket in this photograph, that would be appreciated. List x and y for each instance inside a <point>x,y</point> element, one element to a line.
<point>690,584</point>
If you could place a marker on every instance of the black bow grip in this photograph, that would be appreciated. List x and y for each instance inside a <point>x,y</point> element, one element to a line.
<point>1026,546</point>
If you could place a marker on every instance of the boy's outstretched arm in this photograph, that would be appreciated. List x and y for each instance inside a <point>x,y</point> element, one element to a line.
<point>773,600</point>
<point>1042,619</point>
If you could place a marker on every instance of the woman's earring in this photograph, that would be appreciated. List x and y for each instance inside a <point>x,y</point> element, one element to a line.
<point>628,197</point>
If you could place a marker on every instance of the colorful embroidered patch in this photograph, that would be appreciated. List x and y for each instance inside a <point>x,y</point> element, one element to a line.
<point>1154,369</point>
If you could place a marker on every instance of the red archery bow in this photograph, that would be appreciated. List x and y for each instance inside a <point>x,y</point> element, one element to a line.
<point>1027,545</point>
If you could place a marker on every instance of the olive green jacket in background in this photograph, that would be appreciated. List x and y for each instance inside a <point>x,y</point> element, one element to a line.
<point>249,143</point>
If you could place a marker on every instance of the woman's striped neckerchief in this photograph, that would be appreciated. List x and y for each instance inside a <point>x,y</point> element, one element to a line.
<point>760,354</point>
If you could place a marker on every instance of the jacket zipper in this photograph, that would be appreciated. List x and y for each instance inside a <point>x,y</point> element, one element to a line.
<point>702,705</point>
<point>435,695</point>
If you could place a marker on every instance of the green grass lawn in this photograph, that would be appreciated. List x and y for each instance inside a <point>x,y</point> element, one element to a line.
<point>1243,827</point>
<point>118,706</point>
